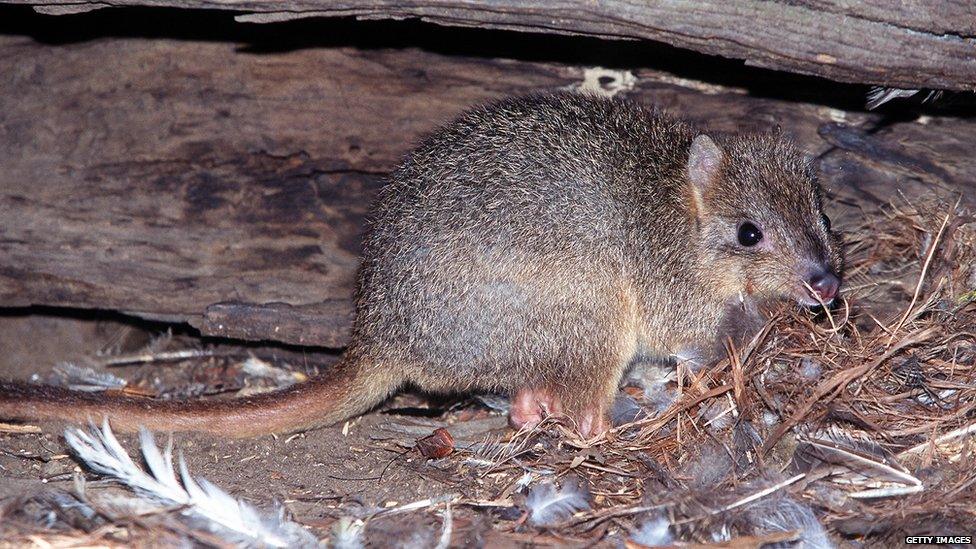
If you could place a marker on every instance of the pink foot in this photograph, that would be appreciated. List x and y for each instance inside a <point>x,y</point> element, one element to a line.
<point>593,422</point>
<point>530,406</point>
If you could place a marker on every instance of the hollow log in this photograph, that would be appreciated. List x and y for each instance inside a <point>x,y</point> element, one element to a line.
<point>885,42</point>
<point>197,181</point>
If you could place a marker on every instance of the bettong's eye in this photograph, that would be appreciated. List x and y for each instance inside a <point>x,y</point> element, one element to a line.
<point>749,234</point>
<point>825,220</point>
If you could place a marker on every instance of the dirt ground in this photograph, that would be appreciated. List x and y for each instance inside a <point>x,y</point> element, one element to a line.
<point>366,463</point>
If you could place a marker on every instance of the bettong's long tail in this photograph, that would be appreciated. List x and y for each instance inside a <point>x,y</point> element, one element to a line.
<point>346,390</point>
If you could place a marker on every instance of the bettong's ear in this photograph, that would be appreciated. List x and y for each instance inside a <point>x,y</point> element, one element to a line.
<point>704,166</point>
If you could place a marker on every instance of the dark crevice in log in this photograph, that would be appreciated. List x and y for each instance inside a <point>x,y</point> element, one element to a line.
<point>471,43</point>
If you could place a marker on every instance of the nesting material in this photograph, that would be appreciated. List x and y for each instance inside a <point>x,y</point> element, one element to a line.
<point>863,400</point>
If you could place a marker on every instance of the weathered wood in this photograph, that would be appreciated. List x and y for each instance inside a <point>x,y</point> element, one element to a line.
<point>166,179</point>
<point>190,181</point>
<point>320,324</point>
<point>911,159</point>
<point>952,17</point>
<point>900,44</point>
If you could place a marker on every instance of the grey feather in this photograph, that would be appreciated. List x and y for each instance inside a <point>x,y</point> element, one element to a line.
<point>83,378</point>
<point>862,462</point>
<point>784,514</point>
<point>549,505</point>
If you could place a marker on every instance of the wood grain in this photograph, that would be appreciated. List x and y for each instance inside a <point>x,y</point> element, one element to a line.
<point>886,42</point>
<point>196,181</point>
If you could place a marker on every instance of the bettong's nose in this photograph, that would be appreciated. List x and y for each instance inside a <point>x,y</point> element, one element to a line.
<point>825,284</point>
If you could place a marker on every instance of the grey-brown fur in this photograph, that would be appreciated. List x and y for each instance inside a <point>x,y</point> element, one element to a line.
<point>545,240</point>
<point>541,243</point>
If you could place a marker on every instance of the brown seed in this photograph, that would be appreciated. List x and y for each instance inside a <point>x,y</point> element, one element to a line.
<point>437,445</point>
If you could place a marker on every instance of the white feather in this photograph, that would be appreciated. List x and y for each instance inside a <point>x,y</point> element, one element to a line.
<point>722,534</point>
<point>205,504</point>
<point>160,465</point>
<point>346,533</point>
<point>281,377</point>
<point>655,532</point>
<point>102,453</point>
<point>549,505</point>
<point>879,95</point>
<point>445,540</point>
<point>810,368</point>
<point>524,480</point>
<point>418,539</point>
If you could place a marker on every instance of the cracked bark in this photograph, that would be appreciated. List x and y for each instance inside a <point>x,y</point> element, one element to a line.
<point>911,44</point>
<point>187,181</point>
